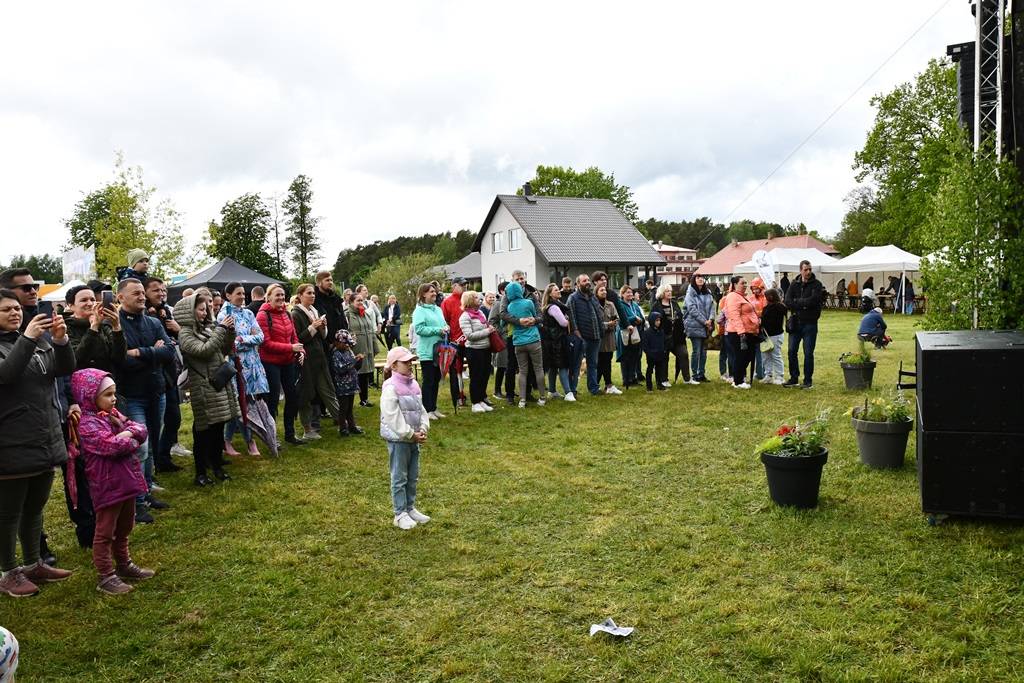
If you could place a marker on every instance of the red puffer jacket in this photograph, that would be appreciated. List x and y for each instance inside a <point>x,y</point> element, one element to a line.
<point>278,335</point>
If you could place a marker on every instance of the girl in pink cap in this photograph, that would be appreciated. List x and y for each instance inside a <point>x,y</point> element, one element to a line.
<point>403,425</point>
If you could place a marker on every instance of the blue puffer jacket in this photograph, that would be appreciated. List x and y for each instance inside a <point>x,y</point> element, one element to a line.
<point>697,308</point>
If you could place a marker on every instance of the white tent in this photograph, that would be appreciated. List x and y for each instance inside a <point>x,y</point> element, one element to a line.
<point>59,294</point>
<point>787,260</point>
<point>871,261</point>
<point>875,259</point>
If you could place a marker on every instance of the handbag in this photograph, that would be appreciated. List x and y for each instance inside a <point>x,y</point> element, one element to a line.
<point>791,324</point>
<point>630,337</point>
<point>221,377</point>
<point>497,346</point>
<point>767,345</point>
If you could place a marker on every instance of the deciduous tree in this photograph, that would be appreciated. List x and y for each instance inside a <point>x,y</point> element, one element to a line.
<point>49,269</point>
<point>555,181</point>
<point>242,235</point>
<point>401,276</point>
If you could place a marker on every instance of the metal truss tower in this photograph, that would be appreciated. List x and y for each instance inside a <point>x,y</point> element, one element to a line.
<point>990,16</point>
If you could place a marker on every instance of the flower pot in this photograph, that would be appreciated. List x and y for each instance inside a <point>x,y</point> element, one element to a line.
<point>858,375</point>
<point>882,444</point>
<point>794,481</point>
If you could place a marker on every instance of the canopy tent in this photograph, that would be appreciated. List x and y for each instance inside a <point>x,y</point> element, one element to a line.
<point>871,261</point>
<point>219,275</point>
<point>59,294</point>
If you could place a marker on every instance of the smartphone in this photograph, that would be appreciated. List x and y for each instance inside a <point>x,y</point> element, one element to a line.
<point>108,300</point>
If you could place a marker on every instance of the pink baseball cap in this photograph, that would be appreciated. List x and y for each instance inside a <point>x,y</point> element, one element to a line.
<point>399,353</point>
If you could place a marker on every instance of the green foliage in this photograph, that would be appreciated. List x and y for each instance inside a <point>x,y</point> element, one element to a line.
<point>49,269</point>
<point>401,276</point>
<point>117,218</point>
<point>242,235</point>
<point>354,265</point>
<point>702,234</point>
<point>861,357</point>
<point>976,279</point>
<point>906,155</point>
<point>798,440</point>
<point>881,409</point>
<point>555,181</point>
<point>863,215</point>
<point>303,239</point>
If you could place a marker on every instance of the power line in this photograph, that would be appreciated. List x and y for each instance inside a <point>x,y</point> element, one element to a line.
<point>822,124</point>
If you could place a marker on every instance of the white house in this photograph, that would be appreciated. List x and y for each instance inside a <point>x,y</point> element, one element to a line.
<point>551,237</point>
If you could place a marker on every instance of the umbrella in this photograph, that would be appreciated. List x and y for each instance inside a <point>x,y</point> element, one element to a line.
<point>261,423</point>
<point>444,354</point>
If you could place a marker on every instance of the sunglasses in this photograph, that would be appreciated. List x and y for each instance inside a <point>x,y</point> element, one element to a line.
<point>27,288</point>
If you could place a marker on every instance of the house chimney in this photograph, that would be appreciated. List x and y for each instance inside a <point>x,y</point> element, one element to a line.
<point>660,244</point>
<point>526,193</point>
<point>770,236</point>
<point>735,242</point>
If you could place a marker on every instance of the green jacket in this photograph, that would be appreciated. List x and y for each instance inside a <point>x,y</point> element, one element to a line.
<point>364,329</point>
<point>204,348</point>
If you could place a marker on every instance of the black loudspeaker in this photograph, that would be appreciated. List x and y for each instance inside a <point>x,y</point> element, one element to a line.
<point>970,422</point>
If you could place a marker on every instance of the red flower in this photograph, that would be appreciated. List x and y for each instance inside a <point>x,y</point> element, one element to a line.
<point>786,429</point>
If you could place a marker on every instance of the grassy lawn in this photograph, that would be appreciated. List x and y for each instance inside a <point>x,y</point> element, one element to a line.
<point>647,508</point>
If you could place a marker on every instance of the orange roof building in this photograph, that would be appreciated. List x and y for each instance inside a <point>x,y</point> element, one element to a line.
<point>731,255</point>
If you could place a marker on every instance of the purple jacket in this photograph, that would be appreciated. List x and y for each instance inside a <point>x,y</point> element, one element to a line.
<point>111,462</point>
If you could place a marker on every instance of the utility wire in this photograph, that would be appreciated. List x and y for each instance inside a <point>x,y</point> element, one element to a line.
<point>822,124</point>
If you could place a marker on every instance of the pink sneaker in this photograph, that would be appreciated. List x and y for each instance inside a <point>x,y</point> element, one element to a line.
<point>111,584</point>
<point>252,448</point>
<point>229,449</point>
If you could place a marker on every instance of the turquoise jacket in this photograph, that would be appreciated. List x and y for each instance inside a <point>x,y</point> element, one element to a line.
<point>428,321</point>
<point>520,307</point>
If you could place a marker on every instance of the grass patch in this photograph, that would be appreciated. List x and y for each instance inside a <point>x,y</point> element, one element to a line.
<point>648,508</point>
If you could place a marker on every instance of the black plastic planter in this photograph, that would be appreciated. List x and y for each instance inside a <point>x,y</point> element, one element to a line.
<point>882,445</point>
<point>794,482</point>
<point>858,375</point>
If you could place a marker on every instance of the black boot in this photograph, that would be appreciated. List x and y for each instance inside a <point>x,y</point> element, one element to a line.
<point>45,553</point>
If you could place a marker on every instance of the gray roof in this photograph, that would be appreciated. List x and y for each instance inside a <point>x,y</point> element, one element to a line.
<point>568,230</point>
<point>468,267</point>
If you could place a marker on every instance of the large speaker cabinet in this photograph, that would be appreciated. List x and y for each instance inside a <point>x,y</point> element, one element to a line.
<point>970,422</point>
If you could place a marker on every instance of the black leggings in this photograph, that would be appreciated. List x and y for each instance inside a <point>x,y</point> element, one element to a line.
<point>207,447</point>
<point>604,366</point>
<point>364,386</point>
<point>21,517</point>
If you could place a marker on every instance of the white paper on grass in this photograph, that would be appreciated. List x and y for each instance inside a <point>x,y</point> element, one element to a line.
<point>608,626</point>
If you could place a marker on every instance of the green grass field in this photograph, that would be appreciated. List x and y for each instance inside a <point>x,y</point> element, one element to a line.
<point>647,508</point>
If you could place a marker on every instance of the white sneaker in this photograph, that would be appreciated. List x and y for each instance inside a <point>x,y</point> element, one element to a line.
<point>437,415</point>
<point>741,386</point>
<point>778,380</point>
<point>156,488</point>
<point>612,390</point>
<point>542,401</point>
<point>666,384</point>
<point>417,516</point>
<point>570,397</point>
<point>310,436</point>
<point>554,395</point>
<point>487,407</point>
<point>404,521</point>
<point>479,408</point>
<point>178,449</point>
<point>766,380</point>
<point>522,404</point>
<point>692,381</point>
<point>726,378</point>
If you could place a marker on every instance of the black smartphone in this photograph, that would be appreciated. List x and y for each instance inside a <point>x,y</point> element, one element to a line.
<point>108,300</point>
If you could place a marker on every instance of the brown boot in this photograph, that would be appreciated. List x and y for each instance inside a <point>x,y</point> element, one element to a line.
<point>41,572</point>
<point>134,571</point>
<point>111,584</point>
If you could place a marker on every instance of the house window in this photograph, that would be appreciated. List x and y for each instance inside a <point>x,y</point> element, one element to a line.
<point>496,244</point>
<point>514,239</point>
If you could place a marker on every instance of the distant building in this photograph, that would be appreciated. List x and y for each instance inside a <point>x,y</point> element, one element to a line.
<point>719,267</point>
<point>680,264</point>
<point>467,267</point>
<point>552,237</point>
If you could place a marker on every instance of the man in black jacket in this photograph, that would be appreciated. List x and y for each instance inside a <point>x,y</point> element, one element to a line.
<point>156,307</point>
<point>804,300</point>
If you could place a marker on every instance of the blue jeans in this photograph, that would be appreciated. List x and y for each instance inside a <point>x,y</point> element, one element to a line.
<point>808,333</point>
<point>725,358</point>
<point>758,363</point>
<point>405,471</point>
<point>574,367</point>
<point>591,347</point>
<point>150,412</point>
<point>562,374</point>
<point>172,423</point>
<point>698,357</point>
<point>237,425</point>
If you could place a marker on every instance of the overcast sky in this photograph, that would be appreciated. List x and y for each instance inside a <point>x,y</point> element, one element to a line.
<point>410,116</point>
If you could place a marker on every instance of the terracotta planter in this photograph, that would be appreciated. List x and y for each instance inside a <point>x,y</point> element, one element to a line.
<point>794,482</point>
<point>882,445</point>
<point>858,375</point>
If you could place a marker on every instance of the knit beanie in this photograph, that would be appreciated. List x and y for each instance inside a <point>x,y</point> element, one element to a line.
<point>136,255</point>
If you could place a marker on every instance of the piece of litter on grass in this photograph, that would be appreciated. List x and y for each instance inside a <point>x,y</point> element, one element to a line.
<point>725,429</point>
<point>608,626</point>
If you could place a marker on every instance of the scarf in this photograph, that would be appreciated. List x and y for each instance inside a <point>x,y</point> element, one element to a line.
<point>310,312</point>
<point>475,313</point>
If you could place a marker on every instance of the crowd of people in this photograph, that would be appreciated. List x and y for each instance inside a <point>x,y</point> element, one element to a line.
<point>103,381</point>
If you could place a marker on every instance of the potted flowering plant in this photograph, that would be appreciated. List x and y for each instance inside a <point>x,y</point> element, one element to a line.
<point>793,459</point>
<point>858,368</point>
<point>883,426</point>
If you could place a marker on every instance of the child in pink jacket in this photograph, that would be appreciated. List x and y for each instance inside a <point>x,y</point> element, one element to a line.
<point>109,442</point>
